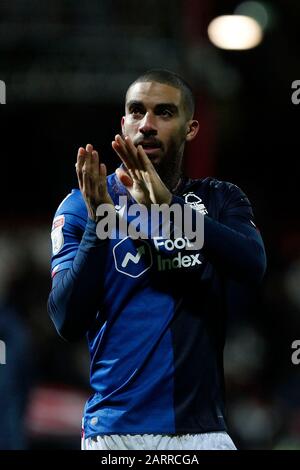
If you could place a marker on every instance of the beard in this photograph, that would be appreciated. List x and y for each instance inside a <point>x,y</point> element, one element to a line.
<point>169,168</point>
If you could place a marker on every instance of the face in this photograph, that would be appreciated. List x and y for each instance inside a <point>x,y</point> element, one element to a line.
<point>156,119</point>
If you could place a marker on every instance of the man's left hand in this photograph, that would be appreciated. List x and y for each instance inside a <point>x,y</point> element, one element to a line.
<point>139,176</point>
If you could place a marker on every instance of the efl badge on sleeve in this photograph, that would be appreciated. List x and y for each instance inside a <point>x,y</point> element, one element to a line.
<point>57,235</point>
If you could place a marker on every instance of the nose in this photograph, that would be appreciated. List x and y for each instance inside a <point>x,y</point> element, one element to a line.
<point>147,125</point>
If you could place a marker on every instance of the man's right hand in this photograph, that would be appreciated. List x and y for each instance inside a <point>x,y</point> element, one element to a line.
<point>92,180</point>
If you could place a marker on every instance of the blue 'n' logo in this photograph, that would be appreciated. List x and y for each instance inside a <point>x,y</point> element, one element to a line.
<point>132,257</point>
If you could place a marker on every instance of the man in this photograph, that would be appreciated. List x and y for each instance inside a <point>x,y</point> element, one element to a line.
<point>154,310</point>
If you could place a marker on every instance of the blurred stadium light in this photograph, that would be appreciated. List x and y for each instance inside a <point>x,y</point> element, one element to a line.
<point>235,32</point>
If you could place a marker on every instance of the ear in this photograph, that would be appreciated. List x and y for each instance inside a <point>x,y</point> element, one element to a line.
<point>122,124</point>
<point>192,130</point>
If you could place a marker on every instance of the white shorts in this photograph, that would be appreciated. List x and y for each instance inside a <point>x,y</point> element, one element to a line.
<point>203,441</point>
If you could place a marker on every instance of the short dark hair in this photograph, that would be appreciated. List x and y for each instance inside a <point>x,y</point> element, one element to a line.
<point>170,78</point>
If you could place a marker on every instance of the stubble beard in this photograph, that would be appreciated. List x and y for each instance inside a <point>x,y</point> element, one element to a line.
<point>169,168</point>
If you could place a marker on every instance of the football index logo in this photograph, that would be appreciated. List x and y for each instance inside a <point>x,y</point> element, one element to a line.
<point>2,92</point>
<point>132,259</point>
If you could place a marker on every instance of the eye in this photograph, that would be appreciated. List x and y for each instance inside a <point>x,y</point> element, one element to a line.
<point>166,112</point>
<point>136,111</point>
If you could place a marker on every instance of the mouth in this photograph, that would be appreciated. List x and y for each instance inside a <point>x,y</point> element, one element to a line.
<point>151,148</point>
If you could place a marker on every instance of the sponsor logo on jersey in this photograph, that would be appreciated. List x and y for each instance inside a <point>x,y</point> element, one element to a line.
<point>179,260</point>
<point>195,202</point>
<point>57,236</point>
<point>132,257</point>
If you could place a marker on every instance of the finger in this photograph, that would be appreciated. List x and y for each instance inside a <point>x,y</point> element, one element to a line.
<point>102,180</point>
<point>88,150</point>
<point>95,161</point>
<point>124,178</point>
<point>79,164</point>
<point>131,161</point>
<point>129,152</point>
<point>122,154</point>
<point>103,171</point>
<point>80,158</point>
<point>144,160</point>
<point>86,182</point>
<point>92,164</point>
<point>120,148</point>
<point>90,170</point>
<point>132,150</point>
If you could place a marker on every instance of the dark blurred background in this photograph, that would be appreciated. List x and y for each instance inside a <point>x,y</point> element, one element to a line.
<point>67,66</point>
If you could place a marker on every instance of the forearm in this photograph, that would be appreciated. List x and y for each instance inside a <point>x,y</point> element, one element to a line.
<point>76,294</point>
<point>233,246</point>
<point>239,254</point>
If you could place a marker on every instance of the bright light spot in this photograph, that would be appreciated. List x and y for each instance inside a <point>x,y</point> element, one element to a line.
<point>235,32</point>
<point>254,9</point>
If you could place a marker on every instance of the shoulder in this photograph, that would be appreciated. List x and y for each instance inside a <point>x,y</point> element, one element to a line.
<point>71,211</point>
<point>216,185</point>
<point>72,204</point>
<point>224,191</point>
<point>217,196</point>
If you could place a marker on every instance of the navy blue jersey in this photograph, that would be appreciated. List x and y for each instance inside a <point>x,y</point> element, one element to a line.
<point>155,321</point>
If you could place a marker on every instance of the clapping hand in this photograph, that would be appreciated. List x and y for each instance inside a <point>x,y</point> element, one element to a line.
<point>91,176</point>
<point>139,176</point>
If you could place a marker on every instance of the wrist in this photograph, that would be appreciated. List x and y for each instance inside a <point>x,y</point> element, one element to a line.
<point>93,210</point>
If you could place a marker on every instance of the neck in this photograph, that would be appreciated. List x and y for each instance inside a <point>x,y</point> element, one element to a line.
<point>174,189</point>
<point>172,179</point>
<point>170,172</point>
